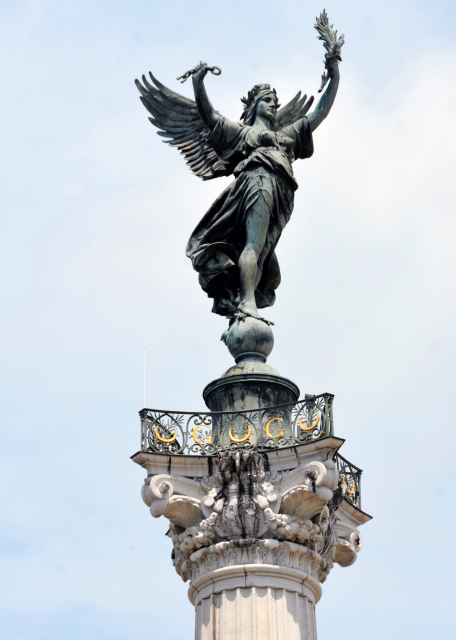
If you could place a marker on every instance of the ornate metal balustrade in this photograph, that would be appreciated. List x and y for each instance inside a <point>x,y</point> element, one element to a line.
<point>351,477</point>
<point>172,432</point>
<point>177,433</point>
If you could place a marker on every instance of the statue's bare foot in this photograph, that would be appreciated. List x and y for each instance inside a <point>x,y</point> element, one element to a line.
<point>249,308</point>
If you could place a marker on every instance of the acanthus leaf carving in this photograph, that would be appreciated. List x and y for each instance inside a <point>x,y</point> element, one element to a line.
<point>245,514</point>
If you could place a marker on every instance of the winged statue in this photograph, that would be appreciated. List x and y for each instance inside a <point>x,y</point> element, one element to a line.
<point>233,246</point>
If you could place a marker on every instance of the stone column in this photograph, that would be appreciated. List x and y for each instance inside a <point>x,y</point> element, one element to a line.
<point>255,535</point>
<point>266,591</point>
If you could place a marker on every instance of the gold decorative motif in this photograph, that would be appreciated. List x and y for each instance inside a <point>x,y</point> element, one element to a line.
<point>312,426</point>
<point>279,433</point>
<point>233,439</point>
<point>352,490</point>
<point>206,439</point>
<point>166,440</point>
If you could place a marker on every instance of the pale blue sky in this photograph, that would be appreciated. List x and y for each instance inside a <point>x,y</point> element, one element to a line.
<point>96,213</point>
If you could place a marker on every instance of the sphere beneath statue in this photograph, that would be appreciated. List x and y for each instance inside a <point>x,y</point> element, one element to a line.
<point>249,339</point>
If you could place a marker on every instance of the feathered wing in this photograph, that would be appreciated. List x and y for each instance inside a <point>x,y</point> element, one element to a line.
<point>178,119</point>
<point>291,112</point>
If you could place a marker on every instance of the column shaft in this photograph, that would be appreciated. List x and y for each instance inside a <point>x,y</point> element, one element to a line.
<point>255,613</point>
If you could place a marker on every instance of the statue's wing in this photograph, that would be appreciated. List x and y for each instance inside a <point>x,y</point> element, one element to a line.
<point>180,122</point>
<point>291,112</point>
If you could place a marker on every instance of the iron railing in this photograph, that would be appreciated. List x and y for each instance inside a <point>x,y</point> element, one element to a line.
<point>173,432</point>
<point>207,433</point>
<point>351,478</point>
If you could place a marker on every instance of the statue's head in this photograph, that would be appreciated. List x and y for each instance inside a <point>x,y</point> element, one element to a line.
<point>261,100</point>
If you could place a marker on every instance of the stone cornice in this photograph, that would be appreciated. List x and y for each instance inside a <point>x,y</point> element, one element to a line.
<point>192,466</point>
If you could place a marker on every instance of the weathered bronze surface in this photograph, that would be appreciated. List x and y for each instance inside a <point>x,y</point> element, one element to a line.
<point>233,246</point>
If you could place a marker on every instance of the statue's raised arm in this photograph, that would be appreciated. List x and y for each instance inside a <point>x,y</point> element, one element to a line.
<point>333,47</point>
<point>207,112</point>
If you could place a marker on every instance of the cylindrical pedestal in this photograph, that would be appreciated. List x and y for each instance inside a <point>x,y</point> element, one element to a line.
<point>249,391</point>
<point>255,613</point>
<point>249,387</point>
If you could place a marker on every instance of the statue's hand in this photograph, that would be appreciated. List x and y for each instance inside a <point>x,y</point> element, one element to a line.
<point>333,68</point>
<point>201,71</point>
<point>331,71</point>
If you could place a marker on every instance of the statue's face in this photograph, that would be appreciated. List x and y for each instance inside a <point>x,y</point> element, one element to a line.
<point>266,108</point>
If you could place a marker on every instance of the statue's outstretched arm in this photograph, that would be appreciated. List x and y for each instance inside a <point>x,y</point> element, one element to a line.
<point>327,99</point>
<point>333,46</point>
<point>207,112</point>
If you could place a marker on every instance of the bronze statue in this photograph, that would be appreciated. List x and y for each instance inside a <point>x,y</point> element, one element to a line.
<point>233,246</point>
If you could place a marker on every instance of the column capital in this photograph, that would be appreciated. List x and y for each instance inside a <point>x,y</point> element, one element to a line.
<point>248,512</point>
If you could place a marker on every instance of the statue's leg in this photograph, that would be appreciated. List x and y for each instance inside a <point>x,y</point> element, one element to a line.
<point>256,228</point>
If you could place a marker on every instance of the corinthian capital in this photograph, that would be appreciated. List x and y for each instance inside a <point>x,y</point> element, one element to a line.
<point>249,501</point>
